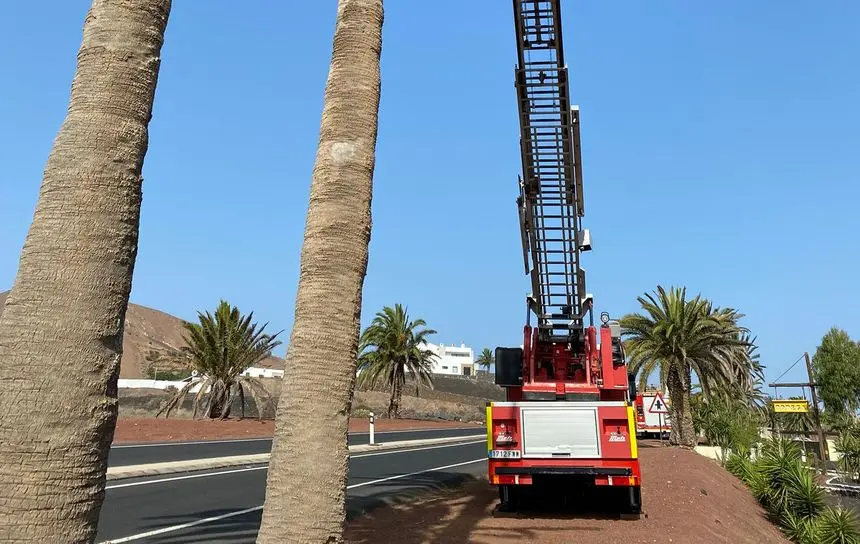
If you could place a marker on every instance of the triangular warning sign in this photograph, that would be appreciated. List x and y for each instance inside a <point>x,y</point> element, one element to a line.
<point>658,405</point>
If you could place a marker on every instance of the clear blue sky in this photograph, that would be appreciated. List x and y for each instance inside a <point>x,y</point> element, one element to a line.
<point>720,152</point>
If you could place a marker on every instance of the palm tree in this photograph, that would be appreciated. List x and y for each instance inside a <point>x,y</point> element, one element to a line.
<point>485,359</point>
<point>677,337</point>
<point>62,325</point>
<point>221,348</point>
<point>306,487</point>
<point>397,351</point>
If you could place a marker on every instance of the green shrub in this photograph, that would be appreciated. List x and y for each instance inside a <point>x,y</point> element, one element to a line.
<point>799,529</point>
<point>776,461</point>
<point>805,496</point>
<point>837,526</point>
<point>742,467</point>
<point>786,487</point>
<point>728,423</point>
<point>848,446</point>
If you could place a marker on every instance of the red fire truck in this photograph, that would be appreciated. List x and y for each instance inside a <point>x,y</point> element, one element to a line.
<point>568,416</point>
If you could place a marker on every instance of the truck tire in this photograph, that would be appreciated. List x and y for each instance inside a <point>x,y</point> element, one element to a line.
<point>507,498</point>
<point>634,505</point>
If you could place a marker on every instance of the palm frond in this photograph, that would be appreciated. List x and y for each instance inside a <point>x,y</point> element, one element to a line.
<point>390,349</point>
<point>221,347</point>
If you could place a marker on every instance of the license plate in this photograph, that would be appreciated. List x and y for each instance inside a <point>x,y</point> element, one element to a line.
<point>504,454</point>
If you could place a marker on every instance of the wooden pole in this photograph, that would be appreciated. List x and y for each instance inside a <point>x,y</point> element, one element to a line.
<point>822,443</point>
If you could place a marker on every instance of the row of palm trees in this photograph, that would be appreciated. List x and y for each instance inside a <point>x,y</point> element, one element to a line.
<point>674,336</point>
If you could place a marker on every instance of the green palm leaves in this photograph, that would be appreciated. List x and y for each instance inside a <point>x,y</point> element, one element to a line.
<point>675,337</point>
<point>485,359</point>
<point>221,347</point>
<point>391,347</point>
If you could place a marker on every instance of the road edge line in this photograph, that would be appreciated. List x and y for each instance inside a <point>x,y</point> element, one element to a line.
<point>175,467</point>
<point>197,522</point>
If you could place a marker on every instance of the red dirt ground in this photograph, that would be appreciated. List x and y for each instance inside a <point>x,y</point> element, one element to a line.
<point>687,499</point>
<point>166,430</point>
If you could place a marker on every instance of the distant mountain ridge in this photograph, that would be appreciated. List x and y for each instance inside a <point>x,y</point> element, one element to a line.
<point>150,337</point>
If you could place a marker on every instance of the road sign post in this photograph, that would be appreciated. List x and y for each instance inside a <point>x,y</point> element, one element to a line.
<point>658,406</point>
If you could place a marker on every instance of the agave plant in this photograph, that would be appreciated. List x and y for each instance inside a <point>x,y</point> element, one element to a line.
<point>220,349</point>
<point>777,458</point>
<point>741,467</point>
<point>805,496</point>
<point>800,530</point>
<point>837,526</point>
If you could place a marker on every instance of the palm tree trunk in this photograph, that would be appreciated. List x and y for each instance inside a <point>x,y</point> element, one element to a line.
<point>62,326</point>
<point>306,487</point>
<point>683,432</point>
<point>394,401</point>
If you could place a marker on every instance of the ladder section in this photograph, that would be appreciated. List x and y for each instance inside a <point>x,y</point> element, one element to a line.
<point>551,204</point>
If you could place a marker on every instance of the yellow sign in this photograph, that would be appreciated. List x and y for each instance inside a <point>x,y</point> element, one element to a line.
<point>790,406</point>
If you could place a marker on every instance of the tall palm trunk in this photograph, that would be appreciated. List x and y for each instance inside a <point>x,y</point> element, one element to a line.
<point>306,488</point>
<point>683,432</point>
<point>395,399</point>
<point>62,326</point>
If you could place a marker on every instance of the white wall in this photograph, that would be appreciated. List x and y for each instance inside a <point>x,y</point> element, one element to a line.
<point>123,383</point>
<point>258,372</point>
<point>451,360</point>
<point>253,372</point>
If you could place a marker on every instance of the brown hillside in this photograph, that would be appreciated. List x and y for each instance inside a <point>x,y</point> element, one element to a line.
<point>150,337</point>
<point>686,498</point>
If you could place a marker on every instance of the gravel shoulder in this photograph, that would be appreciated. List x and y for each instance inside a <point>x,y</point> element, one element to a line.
<point>686,498</point>
<point>147,430</point>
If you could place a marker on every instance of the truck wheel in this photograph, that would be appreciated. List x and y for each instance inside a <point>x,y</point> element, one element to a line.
<point>507,498</point>
<point>634,505</point>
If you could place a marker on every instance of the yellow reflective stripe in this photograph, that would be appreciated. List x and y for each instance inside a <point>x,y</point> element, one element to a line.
<point>631,424</point>
<point>489,427</point>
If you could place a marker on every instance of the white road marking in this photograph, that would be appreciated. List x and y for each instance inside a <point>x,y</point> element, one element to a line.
<point>264,467</point>
<point>190,524</point>
<point>189,443</point>
<point>185,477</point>
<point>239,440</point>
<point>416,473</point>
<point>387,452</point>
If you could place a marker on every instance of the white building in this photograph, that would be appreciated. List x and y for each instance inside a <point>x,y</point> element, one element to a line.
<point>452,360</point>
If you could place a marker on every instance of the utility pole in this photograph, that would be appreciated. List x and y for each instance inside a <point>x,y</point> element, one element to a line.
<point>822,443</point>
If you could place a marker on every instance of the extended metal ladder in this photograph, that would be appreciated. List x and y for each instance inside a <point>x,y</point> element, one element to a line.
<point>550,202</point>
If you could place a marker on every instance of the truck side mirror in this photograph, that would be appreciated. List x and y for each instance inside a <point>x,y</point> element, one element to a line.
<point>631,386</point>
<point>509,367</point>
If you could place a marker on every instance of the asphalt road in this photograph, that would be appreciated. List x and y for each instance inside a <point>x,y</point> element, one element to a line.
<point>224,506</point>
<point>139,454</point>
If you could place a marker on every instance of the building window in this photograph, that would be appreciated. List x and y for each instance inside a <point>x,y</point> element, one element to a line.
<point>444,368</point>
